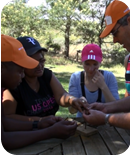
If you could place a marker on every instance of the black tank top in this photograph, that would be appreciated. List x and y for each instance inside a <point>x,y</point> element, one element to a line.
<point>31,103</point>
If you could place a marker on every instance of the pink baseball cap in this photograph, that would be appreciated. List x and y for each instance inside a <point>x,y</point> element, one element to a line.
<point>91,52</point>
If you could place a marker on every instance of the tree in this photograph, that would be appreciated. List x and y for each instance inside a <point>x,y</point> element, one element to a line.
<point>62,16</point>
<point>18,19</point>
<point>92,23</point>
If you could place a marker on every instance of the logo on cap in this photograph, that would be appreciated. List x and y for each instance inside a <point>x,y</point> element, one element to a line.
<point>91,51</point>
<point>20,48</point>
<point>92,57</point>
<point>108,20</point>
<point>31,40</point>
<point>126,10</point>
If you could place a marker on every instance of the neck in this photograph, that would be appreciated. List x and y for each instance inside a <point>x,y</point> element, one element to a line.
<point>33,83</point>
<point>31,80</point>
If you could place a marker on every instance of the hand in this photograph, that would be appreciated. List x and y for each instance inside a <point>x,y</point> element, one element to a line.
<point>94,117</point>
<point>80,104</point>
<point>48,121</point>
<point>63,129</point>
<point>98,106</point>
<point>98,79</point>
<point>72,110</point>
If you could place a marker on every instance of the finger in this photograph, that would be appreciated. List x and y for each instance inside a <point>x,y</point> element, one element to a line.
<point>70,122</point>
<point>83,98</point>
<point>58,119</point>
<point>98,72</point>
<point>86,112</point>
<point>95,78</point>
<point>72,127</point>
<point>84,104</point>
<point>79,106</point>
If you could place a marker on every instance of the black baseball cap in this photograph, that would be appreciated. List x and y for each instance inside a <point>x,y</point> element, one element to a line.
<point>31,45</point>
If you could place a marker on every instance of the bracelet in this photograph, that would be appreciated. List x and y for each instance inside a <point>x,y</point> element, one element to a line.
<point>107,119</point>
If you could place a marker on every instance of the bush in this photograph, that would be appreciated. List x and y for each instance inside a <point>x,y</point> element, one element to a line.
<point>56,47</point>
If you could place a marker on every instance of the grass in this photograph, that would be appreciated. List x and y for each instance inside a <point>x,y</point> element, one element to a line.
<point>63,73</point>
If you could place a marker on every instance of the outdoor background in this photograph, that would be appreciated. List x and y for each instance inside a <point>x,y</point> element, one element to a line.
<point>64,28</point>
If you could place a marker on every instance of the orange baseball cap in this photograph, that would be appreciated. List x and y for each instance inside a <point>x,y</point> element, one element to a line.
<point>12,50</point>
<point>115,11</point>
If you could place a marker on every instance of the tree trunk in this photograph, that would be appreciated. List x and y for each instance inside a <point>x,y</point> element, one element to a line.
<point>102,23</point>
<point>66,45</point>
<point>67,37</point>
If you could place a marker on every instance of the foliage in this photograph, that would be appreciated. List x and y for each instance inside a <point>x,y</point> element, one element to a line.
<point>51,44</point>
<point>53,59</point>
<point>61,24</point>
<point>92,21</point>
<point>117,55</point>
<point>17,19</point>
<point>62,15</point>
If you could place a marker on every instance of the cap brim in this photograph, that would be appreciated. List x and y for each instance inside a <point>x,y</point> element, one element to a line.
<point>107,30</point>
<point>27,62</point>
<point>35,50</point>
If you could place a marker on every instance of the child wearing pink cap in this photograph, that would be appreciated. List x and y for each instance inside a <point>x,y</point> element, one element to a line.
<point>93,84</point>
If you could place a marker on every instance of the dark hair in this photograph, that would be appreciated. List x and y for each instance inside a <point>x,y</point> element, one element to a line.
<point>123,20</point>
<point>9,64</point>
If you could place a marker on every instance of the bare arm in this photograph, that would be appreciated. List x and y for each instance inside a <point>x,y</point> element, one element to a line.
<point>120,120</point>
<point>14,125</point>
<point>107,94</point>
<point>10,104</point>
<point>12,140</point>
<point>122,105</point>
<point>13,134</point>
<point>98,79</point>
<point>62,97</point>
<point>95,117</point>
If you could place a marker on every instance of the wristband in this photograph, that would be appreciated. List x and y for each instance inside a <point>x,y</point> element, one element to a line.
<point>107,119</point>
<point>35,124</point>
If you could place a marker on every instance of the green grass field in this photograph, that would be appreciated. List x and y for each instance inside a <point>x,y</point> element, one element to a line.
<point>63,73</point>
